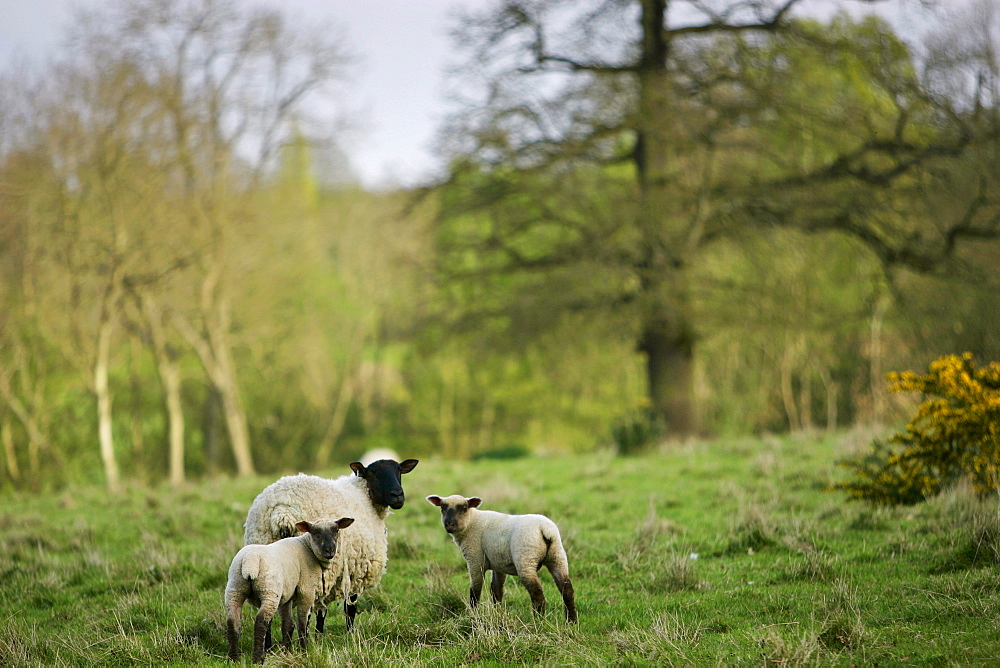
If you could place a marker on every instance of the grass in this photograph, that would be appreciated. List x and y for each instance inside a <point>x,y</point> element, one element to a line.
<point>703,554</point>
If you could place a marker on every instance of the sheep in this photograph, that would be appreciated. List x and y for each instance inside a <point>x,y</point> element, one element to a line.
<point>376,454</point>
<point>278,577</point>
<point>366,496</point>
<point>508,545</point>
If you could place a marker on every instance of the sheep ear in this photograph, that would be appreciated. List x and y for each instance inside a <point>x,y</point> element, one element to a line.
<point>358,468</point>
<point>474,502</point>
<point>345,522</point>
<point>407,465</point>
<point>436,500</point>
<point>303,526</point>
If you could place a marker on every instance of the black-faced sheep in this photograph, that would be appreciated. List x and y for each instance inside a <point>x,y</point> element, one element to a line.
<point>366,496</point>
<point>508,545</point>
<point>278,577</point>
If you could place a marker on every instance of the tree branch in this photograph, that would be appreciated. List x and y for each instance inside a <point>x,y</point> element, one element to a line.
<point>719,22</point>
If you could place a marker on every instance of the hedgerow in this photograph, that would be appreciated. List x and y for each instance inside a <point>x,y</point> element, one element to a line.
<point>954,435</point>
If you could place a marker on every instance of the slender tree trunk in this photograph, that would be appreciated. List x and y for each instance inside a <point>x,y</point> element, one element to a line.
<point>236,425</point>
<point>876,371</point>
<point>36,437</point>
<point>345,396</point>
<point>7,436</point>
<point>787,387</point>
<point>666,333</point>
<point>102,391</point>
<point>805,399</point>
<point>217,323</point>
<point>336,424</point>
<point>831,388</point>
<point>446,411</point>
<point>216,358</point>
<point>486,425</point>
<point>170,380</point>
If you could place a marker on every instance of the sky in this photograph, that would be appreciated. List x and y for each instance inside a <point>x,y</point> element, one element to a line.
<point>396,93</point>
<point>394,98</point>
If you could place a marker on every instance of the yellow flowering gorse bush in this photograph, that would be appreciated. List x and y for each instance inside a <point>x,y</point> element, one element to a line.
<point>955,434</point>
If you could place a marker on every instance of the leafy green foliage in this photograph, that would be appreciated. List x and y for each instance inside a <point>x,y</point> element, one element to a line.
<point>954,435</point>
<point>636,432</point>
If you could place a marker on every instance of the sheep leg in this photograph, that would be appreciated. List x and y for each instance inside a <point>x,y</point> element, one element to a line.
<point>320,620</point>
<point>565,586</point>
<point>234,619</point>
<point>350,610</point>
<point>285,611</point>
<point>530,581</point>
<point>262,628</point>
<point>476,577</point>
<point>233,635</point>
<point>303,625</point>
<point>496,586</point>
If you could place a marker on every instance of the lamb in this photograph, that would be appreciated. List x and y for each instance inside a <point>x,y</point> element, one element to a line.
<point>278,577</point>
<point>508,545</point>
<point>366,496</point>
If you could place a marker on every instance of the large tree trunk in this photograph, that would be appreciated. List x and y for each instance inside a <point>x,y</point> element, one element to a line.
<point>666,336</point>
<point>670,377</point>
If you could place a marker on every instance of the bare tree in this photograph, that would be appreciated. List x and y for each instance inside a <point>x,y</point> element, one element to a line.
<point>224,84</point>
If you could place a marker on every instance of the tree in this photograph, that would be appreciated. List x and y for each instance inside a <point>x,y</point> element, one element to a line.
<point>615,141</point>
<point>224,86</point>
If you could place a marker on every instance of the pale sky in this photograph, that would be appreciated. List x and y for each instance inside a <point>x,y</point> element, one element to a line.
<point>396,95</point>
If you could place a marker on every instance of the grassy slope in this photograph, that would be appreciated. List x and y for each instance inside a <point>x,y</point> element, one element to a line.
<point>785,572</point>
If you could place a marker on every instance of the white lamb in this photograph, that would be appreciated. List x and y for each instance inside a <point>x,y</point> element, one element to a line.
<point>366,496</point>
<point>508,545</point>
<point>278,577</point>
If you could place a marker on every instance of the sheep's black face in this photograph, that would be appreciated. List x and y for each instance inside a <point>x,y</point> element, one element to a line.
<point>323,535</point>
<point>384,478</point>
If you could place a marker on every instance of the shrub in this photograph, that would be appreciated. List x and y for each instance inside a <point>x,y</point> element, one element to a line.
<point>509,451</point>
<point>635,433</point>
<point>954,435</point>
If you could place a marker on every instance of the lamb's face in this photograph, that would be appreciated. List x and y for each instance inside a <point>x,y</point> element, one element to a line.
<point>323,536</point>
<point>384,480</point>
<point>454,511</point>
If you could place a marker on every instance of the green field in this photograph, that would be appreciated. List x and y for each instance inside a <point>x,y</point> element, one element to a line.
<point>704,554</point>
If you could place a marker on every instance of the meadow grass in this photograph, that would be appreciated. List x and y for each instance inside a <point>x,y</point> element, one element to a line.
<point>701,554</point>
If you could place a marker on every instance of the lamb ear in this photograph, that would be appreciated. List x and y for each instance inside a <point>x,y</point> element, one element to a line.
<point>303,526</point>
<point>474,502</point>
<point>358,468</point>
<point>345,522</point>
<point>436,500</point>
<point>407,465</point>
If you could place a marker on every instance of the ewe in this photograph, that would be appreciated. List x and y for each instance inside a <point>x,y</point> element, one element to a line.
<point>508,545</point>
<point>278,577</point>
<point>366,496</point>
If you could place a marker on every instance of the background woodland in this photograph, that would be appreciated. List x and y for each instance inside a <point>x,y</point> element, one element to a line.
<point>720,218</point>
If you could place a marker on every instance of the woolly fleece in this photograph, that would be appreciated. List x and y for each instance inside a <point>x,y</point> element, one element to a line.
<point>362,552</point>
